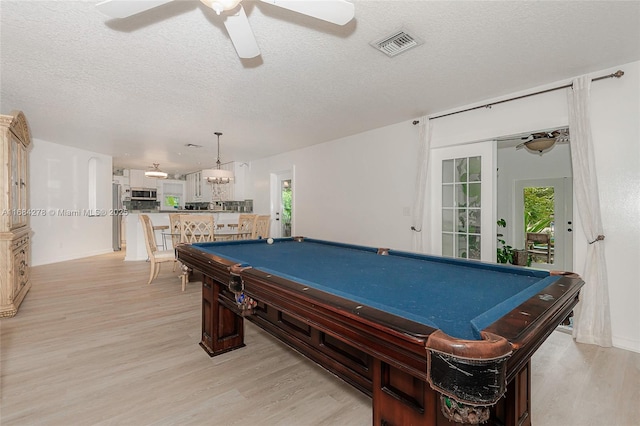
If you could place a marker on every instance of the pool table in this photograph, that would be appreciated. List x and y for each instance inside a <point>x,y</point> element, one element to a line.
<point>432,340</point>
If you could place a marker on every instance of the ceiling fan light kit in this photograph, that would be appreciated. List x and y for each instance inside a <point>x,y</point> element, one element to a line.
<point>220,6</point>
<point>155,172</point>
<point>337,12</point>
<point>543,141</point>
<point>540,145</point>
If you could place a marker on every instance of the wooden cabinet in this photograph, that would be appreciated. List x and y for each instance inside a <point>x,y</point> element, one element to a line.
<point>15,232</point>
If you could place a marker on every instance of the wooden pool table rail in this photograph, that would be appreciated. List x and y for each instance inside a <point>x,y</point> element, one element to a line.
<point>381,354</point>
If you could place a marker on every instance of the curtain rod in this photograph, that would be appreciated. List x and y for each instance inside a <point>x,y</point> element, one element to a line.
<point>616,74</point>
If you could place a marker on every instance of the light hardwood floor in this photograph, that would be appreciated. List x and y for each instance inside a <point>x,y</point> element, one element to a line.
<point>94,344</point>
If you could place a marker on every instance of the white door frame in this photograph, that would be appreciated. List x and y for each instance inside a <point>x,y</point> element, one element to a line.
<point>275,180</point>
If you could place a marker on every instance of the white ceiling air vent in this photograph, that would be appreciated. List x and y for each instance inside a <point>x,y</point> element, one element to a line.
<point>396,43</point>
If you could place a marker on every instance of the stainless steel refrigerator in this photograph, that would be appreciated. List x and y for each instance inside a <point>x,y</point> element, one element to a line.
<point>116,218</point>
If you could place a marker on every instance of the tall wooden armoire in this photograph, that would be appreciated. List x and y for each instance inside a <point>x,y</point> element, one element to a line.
<point>15,231</point>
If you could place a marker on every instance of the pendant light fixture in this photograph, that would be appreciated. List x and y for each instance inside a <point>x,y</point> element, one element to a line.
<point>155,172</point>
<point>217,176</point>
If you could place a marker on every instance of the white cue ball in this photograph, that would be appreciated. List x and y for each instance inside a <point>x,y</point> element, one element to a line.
<point>269,240</point>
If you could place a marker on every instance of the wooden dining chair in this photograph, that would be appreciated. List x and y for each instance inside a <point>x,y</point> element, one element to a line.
<point>261,228</point>
<point>156,257</point>
<point>174,227</point>
<point>246,225</point>
<point>196,228</point>
<point>174,231</point>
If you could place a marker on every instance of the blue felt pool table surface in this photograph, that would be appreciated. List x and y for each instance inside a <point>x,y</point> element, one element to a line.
<point>459,297</point>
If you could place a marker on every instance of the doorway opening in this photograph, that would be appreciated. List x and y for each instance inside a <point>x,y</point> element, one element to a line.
<point>535,196</point>
<point>543,209</point>
<point>282,204</point>
<point>539,227</point>
<point>286,195</point>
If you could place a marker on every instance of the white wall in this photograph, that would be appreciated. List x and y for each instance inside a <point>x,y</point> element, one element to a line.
<point>356,189</point>
<point>59,180</point>
<point>616,134</point>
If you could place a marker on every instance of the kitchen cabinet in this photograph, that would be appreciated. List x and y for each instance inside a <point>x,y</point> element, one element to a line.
<point>137,179</point>
<point>195,187</point>
<point>188,198</point>
<point>15,232</point>
<point>122,180</point>
<point>239,180</point>
<point>150,182</point>
<point>201,191</point>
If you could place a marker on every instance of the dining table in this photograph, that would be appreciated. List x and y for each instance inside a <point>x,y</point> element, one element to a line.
<point>230,234</point>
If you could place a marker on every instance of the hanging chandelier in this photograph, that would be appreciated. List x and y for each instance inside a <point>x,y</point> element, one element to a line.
<point>155,172</point>
<point>217,176</point>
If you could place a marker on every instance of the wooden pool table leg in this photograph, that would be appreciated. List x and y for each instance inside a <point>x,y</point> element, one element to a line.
<point>222,328</point>
<point>517,405</point>
<point>402,399</point>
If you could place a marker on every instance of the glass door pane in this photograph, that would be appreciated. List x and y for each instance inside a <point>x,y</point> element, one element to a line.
<point>286,208</point>
<point>461,207</point>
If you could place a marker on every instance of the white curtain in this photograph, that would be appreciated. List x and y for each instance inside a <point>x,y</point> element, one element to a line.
<point>417,218</point>
<point>592,322</point>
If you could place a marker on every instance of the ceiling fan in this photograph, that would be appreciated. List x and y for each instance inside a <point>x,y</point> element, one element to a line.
<point>539,142</point>
<point>338,12</point>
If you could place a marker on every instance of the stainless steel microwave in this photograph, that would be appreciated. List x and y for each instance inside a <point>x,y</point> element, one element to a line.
<point>143,194</point>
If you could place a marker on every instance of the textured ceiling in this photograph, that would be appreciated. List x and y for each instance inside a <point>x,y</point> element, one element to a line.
<point>141,88</point>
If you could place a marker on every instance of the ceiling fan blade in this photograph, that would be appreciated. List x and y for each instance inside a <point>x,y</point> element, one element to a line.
<point>335,11</point>
<point>126,8</point>
<point>241,35</point>
<point>562,136</point>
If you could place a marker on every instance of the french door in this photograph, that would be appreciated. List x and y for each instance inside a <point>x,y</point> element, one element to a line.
<point>463,188</point>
